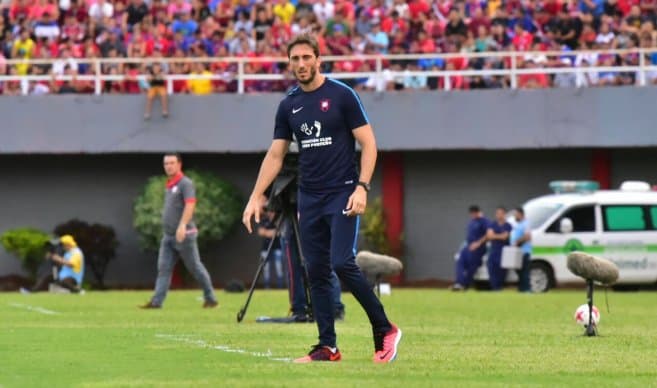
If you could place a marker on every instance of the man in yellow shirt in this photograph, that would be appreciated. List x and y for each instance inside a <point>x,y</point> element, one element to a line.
<point>200,86</point>
<point>23,48</point>
<point>284,10</point>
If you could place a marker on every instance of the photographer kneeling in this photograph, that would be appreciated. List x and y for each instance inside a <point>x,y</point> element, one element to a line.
<point>70,264</point>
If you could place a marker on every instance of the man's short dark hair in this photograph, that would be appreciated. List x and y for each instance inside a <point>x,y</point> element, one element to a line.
<point>520,210</point>
<point>501,208</point>
<point>303,39</point>
<point>176,154</point>
<point>474,209</point>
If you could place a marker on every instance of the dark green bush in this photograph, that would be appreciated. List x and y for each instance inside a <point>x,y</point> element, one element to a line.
<point>97,242</point>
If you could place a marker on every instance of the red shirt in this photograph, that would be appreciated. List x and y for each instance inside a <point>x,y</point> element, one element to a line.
<point>523,41</point>
<point>391,26</point>
<point>417,7</point>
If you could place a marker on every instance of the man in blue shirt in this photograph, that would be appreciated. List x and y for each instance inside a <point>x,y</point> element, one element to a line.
<point>521,237</point>
<point>326,117</point>
<point>186,25</point>
<point>470,257</point>
<point>498,235</point>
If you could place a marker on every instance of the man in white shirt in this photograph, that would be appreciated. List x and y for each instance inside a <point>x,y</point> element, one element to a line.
<point>324,10</point>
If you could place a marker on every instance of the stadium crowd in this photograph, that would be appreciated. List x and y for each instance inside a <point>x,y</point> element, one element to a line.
<point>69,30</point>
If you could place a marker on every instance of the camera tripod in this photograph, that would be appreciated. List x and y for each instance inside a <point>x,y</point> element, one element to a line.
<point>282,193</point>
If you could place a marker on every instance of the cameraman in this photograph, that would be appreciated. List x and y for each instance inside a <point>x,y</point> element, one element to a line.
<point>70,264</point>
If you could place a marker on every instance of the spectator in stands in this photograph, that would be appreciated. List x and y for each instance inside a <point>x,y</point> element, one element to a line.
<point>285,10</point>
<point>377,39</point>
<point>324,9</point>
<point>68,85</point>
<point>64,61</point>
<point>262,24</point>
<point>23,48</point>
<point>413,82</point>
<point>201,84</point>
<point>242,44</point>
<point>177,8</point>
<point>194,28</point>
<point>156,88</point>
<point>184,24</point>
<point>99,12</point>
<point>456,31</point>
<point>39,87</point>
<point>244,23</point>
<point>200,10</point>
<point>135,13</point>
<point>12,88</point>
<point>47,27</point>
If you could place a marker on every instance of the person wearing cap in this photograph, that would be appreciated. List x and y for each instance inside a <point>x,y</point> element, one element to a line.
<point>71,267</point>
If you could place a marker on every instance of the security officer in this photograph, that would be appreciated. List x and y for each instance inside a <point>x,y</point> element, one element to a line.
<point>470,257</point>
<point>498,235</point>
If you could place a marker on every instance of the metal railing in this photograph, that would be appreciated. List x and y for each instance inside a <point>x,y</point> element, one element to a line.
<point>514,70</point>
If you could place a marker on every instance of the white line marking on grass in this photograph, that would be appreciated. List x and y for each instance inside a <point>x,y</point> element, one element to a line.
<point>224,348</point>
<point>33,308</point>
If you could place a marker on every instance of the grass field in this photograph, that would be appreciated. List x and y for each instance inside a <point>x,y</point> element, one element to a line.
<point>482,339</point>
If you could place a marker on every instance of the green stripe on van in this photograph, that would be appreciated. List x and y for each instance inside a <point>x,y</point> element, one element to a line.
<point>546,250</point>
<point>563,250</point>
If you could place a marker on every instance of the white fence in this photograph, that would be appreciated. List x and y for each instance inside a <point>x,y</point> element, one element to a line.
<point>643,70</point>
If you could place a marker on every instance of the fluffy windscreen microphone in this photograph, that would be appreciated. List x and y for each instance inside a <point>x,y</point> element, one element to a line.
<point>593,268</point>
<point>377,264</point>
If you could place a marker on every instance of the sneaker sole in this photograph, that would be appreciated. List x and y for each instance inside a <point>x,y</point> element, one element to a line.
<point>397,339</point>
<point>304,360</point>
<point>394,354</point>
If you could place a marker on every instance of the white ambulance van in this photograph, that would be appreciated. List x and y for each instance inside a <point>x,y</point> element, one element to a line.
<point>619,225</point>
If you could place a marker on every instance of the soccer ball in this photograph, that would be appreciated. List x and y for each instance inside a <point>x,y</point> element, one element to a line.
<point>582,315</point>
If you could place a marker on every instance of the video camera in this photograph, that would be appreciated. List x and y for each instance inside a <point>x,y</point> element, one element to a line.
<point>284,188</point>
<point>54,247</point>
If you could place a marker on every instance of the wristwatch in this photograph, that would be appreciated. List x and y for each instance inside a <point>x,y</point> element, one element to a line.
<point>365,185</point>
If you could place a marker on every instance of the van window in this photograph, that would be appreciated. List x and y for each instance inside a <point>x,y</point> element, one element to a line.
<point>653,216</point>
<point>624,218</point>
<point>583,218</point>
<point>538,212</point>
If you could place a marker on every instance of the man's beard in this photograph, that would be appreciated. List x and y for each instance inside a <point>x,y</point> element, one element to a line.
<point>313,73</point>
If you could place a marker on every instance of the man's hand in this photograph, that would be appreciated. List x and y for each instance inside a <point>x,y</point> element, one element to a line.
<point>181,233</point>
<point>252,209</point>
<point>357,202</point>
<point>473,246</point>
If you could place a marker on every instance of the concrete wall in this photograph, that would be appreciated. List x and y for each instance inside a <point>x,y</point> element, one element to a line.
<point>493,119</point>
<point>42,191</point>
<point>439,187</point>
<point>94,155</point>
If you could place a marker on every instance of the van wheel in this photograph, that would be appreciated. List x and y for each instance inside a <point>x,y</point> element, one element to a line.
<point>541,278</point>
